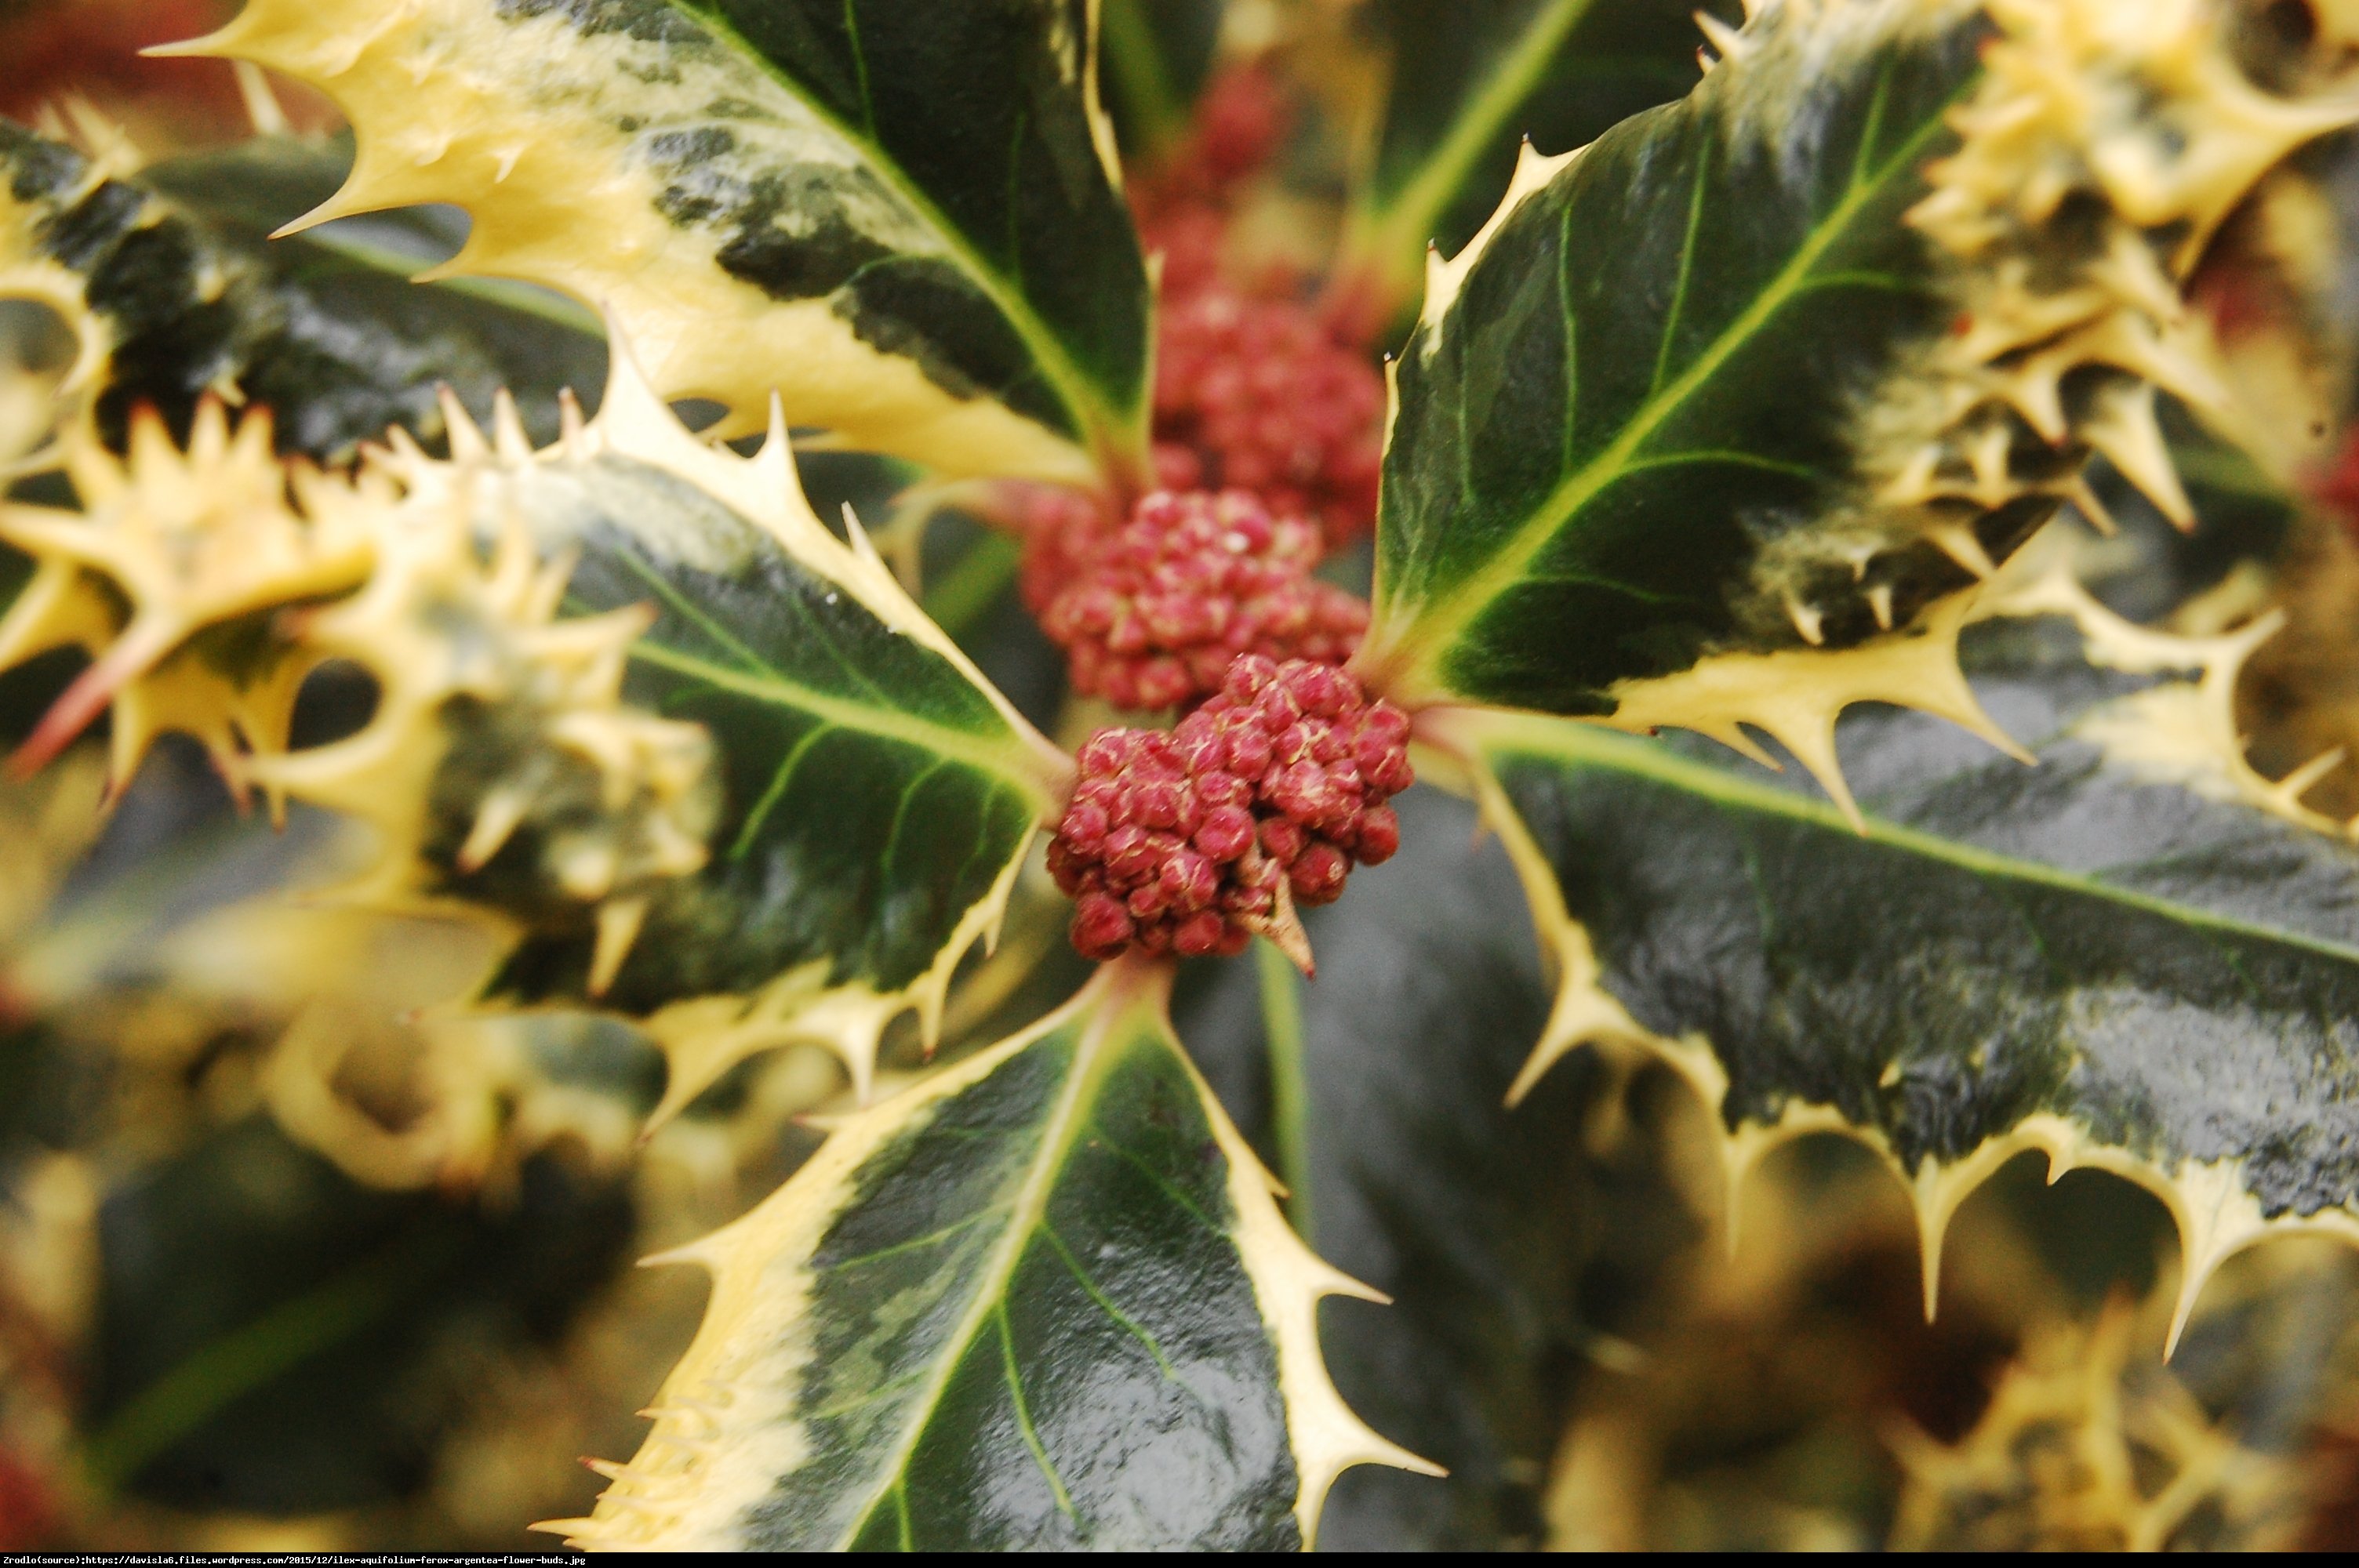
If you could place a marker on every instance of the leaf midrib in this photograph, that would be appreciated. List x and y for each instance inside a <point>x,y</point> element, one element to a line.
<point>1026,1214</point>
<point>1093,416</point>
<point>1585,745</point>
<point>1438,623</point>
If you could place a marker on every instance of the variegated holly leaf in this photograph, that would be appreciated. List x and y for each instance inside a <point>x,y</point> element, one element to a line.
<point>698,759</point>
<point>1470,81</point>
<point>905,219</point>
<point>1509,1244</point>
<point>1043,1299</point>
<point>876,795</point>
<point>2148,568</point>
<point>165,279</point>
<point>2139,955</point>
<point>1786,366</point>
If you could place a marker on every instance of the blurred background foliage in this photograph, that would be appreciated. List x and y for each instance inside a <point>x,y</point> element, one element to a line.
<point>292,1258</point>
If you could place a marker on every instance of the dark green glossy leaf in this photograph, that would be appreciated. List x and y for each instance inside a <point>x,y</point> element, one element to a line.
<point>274,1339</point>
<point>1041,1301</point>
<point>904,219</point>
<point>1470,79</point>
<point>326,330</point>
<point>1506,1243</point>
<point>1647,381</point>
<point>877,795</point>
<point>2119,955</point>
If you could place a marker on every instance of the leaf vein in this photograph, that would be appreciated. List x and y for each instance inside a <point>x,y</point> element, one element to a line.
<point>1024,1422</point>
<point>1121,1320</point>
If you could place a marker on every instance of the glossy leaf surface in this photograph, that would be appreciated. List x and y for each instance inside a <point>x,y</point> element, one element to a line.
<point>1039,1300</point>
<point>2131,955</point>
<point>1646,376</point>
<point>1506,1243</point>
<point>876,794</point>
<point>905,219</point>
<point>1469,81</point>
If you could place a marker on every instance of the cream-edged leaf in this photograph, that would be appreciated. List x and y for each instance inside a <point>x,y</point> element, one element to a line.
<point>1781,370</point>
<point>2139,955</point>
<point>165,279</point>
<point>905,221</point>
<point>1043,1299</point>
<point>876,794</point>
<point>700,762</point>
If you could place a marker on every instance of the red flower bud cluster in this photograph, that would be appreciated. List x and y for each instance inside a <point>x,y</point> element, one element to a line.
<point>1153,615</point>
<point>1061,529</point>
<point>1262,396</point>
<point>1190,842</point>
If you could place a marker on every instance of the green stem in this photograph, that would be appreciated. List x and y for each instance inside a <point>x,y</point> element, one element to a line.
<point>1281,1020</point>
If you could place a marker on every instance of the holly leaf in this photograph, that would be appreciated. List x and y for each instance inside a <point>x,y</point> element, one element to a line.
<point>876,794</point>
<point>742,787</point>
<point>1645,370</point>
<point>1043,1299</point>
<point>1509,1246</point>
<point>1789,364</point>
<point>905,221</point>
<point>2137,956</point>
<point>1470,81</point>
<point>172,291</point>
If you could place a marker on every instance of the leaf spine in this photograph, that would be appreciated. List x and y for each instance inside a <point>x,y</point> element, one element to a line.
<point>1291,1280</point>
<point>1794,695</point>
<point>703,1037</point>
<point>2140,115</point>
<point>514,114</point>
<point>2181,731</point>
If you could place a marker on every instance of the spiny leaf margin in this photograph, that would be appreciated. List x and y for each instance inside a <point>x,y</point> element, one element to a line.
<point>503,773</point>
<point>1970,346</point>
<point>708,575</point>
<point>735,1423</point>
<point>2144,715</point>
<point>639,154</point>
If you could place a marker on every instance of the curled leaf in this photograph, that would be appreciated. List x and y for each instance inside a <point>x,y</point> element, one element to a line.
<point>699,760</point>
